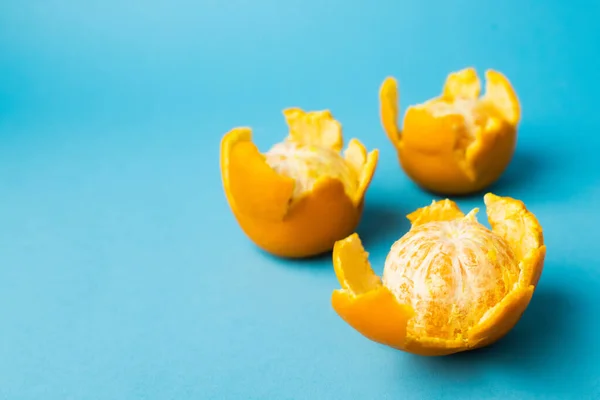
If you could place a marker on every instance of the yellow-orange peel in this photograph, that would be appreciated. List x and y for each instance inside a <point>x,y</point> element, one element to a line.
<point>303,194</point>
<point>459,142</point>
<point>450,284</point>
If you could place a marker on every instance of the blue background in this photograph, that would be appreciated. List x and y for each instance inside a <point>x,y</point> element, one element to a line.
<point>123,274</point>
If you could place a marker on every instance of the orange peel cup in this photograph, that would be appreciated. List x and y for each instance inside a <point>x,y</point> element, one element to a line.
<point>304,194</point>
<point>450,284</point>
<point>459,142</point>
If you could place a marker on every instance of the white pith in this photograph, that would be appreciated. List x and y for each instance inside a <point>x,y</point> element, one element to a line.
<point>307,163</point>
<point>451,273</point>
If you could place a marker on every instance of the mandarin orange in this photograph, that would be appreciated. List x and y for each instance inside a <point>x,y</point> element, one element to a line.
<point>450,284</point>
<point>303,194</point>
<point>459,142</point>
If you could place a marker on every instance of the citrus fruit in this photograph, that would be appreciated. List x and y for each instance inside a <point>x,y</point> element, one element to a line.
<point>459,142</point>
<point>304,193</point>
<point>450,284</point>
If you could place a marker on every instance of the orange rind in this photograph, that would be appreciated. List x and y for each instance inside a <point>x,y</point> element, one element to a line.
<point>305,193</point>
<point>450,284</point>
<point>457,143</point>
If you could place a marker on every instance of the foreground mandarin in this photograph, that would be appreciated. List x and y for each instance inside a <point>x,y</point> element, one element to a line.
<point>302,195</point>
<point>450,284</point>
<point>459,142</point>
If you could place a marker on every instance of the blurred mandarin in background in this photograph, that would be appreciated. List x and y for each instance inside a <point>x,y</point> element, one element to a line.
<point>457,143</point>
<point>301,196</point>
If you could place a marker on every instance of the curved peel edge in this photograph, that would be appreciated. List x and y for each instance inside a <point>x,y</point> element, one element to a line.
<point>389,109</point>
<point>510,219</point>
<point>427,346</point>
<point>376,314</point>
<point>443,210</point>
<point>251,185</point>
<point>499,92</point>
<point>366,176</point>
<point>463,84</point>
<point>314,127</point>
<point>363,302</point>
<point>499,320</point>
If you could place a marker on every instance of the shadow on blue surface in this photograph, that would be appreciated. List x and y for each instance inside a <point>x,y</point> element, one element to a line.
<point>533,350</point>
<point>318,261</point>
<point>382,224</point>
<point>529,169</point>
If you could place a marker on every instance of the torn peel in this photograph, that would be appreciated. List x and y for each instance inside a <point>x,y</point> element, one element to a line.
<point>427,346</point>
<point>314,128</point>
<point>388,111</point>
<point>443,210</point>
<point>363,302</point>
<point>463,84</point>
<point>356,155</point>
<point>510,219</point>
<point>502,95</point>
<point>500,319</point>
<point>251,185</point>
<point>365,177</point>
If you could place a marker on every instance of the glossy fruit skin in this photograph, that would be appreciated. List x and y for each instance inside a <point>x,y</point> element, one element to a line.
<point>262,200</point>
<point>431,148</point>
<point>370,307</point>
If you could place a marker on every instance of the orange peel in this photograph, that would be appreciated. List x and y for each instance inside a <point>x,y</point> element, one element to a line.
<point>449,284</point>
<point>303,194</point>
<point>459,142</point>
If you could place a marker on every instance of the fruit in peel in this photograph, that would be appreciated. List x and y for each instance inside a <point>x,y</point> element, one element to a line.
<point>459,142</point>
<point>449,284</point>
<point>303,194</point>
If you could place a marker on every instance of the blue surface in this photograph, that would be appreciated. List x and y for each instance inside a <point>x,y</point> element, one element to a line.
<point>123,274</point>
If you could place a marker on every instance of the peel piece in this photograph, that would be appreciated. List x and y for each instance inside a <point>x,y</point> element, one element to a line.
<point>498,321</point>
<point>463,84</point>
<point>250,184</point>
<point>500,92</point>
<point>510,219</point>
<point>314,128</point>
<point>365,177</point>
<point>444,210</point>
<point>363,302</point>
<point>388,109</point>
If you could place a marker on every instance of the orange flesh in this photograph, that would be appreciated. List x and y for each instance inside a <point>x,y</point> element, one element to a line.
<point>451,273</point>
<point>307,163</point>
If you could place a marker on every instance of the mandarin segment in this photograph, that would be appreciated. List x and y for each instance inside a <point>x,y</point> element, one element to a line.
<point>463,286</point>
<point>306,164</point>
<point>451,272</point>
